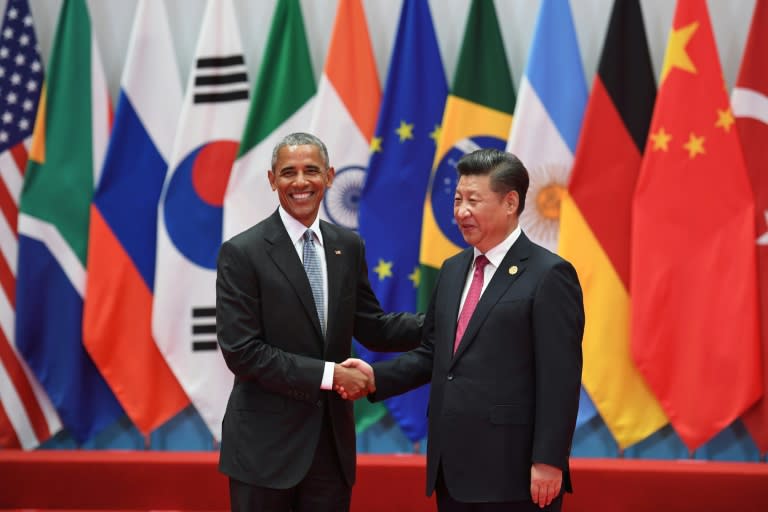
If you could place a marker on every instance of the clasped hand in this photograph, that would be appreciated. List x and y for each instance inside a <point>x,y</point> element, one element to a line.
<point>353,379</point>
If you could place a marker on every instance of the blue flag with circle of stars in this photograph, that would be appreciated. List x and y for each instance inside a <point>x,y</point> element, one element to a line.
<point>392,199</point>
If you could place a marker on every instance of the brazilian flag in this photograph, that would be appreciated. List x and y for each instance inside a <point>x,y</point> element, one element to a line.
<point>478,114</point>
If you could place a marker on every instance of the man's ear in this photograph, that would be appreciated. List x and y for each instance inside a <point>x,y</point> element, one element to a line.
<point>512,200</point>
<point>331,173</point>
<point>271,178</point>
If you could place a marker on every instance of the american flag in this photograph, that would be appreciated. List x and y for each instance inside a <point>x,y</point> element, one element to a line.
<point>27,417</point>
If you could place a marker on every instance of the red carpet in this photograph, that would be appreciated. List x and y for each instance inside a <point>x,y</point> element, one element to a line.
<point>153,480</point>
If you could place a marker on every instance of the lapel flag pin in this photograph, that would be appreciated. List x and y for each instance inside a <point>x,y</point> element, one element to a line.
<point>337,252</point>
<point>513,270</point>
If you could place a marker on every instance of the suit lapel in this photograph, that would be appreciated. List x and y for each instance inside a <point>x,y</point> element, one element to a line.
<point>283,253</point>
<point>512,267</point>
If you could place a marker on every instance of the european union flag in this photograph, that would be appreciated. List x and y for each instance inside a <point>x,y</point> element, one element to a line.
<point>392,200</point>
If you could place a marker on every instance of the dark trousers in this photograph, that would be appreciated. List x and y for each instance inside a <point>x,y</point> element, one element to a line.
<point>323,489</point>
<point>445,503</point>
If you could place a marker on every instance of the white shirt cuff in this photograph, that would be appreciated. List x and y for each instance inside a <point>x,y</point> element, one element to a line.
<point>327,382</point>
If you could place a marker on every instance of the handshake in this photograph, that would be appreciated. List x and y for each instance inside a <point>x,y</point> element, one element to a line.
<point>353,379</point>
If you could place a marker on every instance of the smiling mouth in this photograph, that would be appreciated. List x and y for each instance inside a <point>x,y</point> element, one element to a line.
<point>300,196</point>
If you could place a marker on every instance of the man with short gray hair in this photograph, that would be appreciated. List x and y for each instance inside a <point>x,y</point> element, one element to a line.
<point>291,292</point>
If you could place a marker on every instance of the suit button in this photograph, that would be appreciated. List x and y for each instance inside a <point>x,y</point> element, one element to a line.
<point>319,403</point>
<point>450,376</point>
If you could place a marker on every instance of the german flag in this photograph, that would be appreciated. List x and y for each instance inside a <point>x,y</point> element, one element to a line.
<point>595,223</point>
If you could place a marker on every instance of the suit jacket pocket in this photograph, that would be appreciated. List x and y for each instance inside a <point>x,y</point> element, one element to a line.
<point>254,399</point>
<point>510,415</point>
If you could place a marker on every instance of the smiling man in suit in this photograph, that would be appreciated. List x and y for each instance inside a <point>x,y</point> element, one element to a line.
<point>502,348</point>
<point>290,293</point>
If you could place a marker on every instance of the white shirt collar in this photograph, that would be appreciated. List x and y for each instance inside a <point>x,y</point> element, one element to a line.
<point>496,254</point>
<point>296,229</point>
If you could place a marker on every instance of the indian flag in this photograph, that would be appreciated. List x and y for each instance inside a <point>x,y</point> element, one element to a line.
<point>348,100</point>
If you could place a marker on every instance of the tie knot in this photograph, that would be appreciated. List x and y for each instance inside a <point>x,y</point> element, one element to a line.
<point>308,236</point>
<point>480,262</point>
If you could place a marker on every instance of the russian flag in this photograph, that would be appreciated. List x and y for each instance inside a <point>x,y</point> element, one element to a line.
<point>117,322</point>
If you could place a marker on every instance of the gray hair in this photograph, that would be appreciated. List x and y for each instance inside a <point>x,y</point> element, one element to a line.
<point>300,139</point>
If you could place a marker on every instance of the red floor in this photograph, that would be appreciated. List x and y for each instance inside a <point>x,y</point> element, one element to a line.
<point>152,480</point>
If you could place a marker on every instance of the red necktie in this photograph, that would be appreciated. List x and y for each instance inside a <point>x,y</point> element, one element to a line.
<point>473,297</point>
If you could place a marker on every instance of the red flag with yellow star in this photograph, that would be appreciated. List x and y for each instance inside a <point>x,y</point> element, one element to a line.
<point>694,323</point>
<point>750,107</point>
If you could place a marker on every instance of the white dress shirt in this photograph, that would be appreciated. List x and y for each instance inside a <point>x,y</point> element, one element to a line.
<point>495,257</point>
<point>296,232</point>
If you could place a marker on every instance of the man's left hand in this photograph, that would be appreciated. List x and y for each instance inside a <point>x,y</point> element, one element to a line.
<point>546,481</point>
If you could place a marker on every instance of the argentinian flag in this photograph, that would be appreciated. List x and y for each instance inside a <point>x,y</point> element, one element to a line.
<point>547,120</point>
<point>545,131</point>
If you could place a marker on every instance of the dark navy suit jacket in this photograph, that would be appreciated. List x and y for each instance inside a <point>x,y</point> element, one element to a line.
<point>509,396</point>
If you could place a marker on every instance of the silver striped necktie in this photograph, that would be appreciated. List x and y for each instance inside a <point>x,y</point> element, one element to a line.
<point>315,275</point>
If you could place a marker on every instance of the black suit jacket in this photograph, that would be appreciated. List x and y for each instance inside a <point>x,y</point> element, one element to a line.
<point>510,394</point>
<point>270,337</point>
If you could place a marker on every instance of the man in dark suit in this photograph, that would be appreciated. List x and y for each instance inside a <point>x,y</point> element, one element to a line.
<point>290,293</point>
<point>502,347</point>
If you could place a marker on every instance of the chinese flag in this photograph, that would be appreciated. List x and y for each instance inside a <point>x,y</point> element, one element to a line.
<point>750,107</point>
<point>694,320</point>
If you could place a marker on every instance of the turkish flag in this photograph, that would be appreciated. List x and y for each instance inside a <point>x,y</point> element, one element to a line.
<point>750,107</point>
